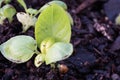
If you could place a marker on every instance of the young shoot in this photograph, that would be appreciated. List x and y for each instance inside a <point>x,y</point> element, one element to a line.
<point>7,11</point>
<point>27,18</point>
<point>53,33</point>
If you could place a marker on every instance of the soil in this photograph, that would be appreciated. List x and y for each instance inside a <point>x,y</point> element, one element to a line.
<point>96,41</point>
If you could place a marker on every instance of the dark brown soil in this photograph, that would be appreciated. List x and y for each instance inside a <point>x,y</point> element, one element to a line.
<point>96,42</point>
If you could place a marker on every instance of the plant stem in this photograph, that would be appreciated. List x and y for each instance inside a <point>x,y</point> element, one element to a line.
<point>52,66</point>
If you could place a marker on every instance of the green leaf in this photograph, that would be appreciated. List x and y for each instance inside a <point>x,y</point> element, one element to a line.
<point>19,49</point>
<point>53,22</point>
<point>60,3</point>
<point>59,51</point>
<point>31,11</point>
<point>9,11</point>
<point>22,2</point>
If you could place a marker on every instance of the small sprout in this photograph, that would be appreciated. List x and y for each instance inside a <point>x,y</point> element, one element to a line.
<point>31,11</point>
<point>117,20</point>
<point>26,20</point>
<point>53,33</point>
<point>7,11</point>
<point>39,59</point>
<point>19,49</point>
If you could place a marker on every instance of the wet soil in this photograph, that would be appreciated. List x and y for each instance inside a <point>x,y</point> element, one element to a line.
<point>96,41</point>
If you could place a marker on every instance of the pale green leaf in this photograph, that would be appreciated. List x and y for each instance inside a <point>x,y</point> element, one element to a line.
<point>9,11</point>
<point>22,2</point>
<point>19,49</point>
<point>60,3</point>
<point>59,51</point>
<point>1,2</point>
<point>53,22</point>
<point>26,20</point>
<point>32,11</point>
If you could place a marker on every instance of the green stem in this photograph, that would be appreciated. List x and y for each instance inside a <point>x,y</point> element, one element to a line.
<point>52,65</point>
<point>37,52</point>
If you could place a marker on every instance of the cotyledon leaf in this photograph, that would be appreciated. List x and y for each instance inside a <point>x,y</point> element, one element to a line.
<point>19,49</point>
<point>59,51</point>
<point>53,22</point>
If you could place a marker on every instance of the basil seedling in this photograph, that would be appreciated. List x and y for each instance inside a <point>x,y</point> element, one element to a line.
<point>7,11</point>
<point>19,49</point>
<point>53,33</point>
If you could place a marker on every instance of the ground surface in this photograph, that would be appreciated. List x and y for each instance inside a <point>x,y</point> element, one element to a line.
<point>96,42</point>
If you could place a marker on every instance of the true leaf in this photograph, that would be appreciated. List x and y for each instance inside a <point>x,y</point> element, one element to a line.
<point>53,22</point>
<point>19,49</point>
<point>31,11</point>
<point>23,4</point>
<point>59,51</point>
<point>9,11</point>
